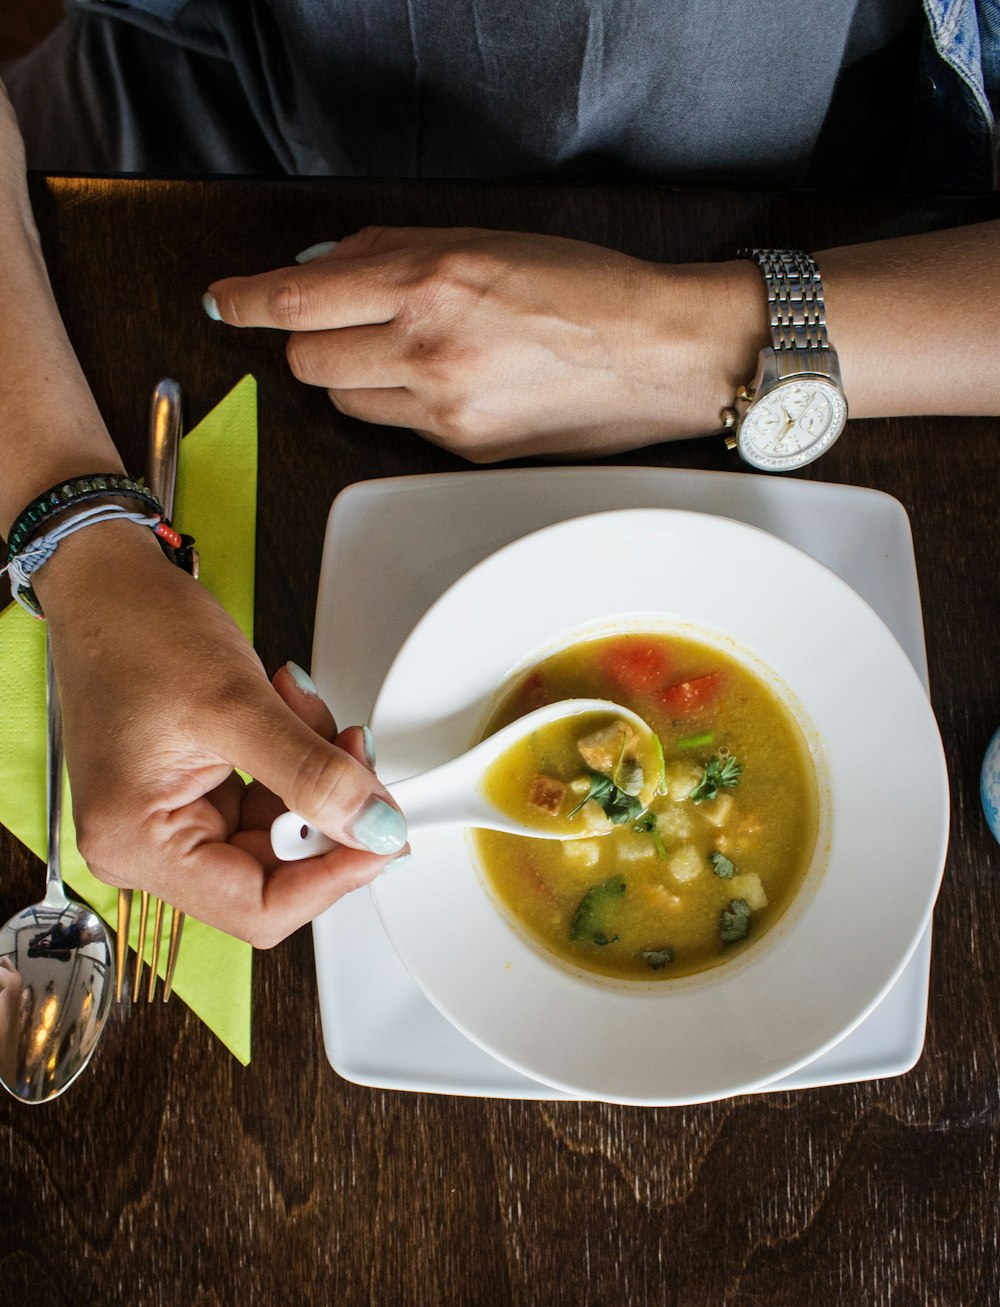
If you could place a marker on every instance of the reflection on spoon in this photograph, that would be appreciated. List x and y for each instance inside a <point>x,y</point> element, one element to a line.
<point>611,765</point>
<point>56,964</point>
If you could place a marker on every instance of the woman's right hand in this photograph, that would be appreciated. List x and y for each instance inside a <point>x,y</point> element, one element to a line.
<point>163,698</point>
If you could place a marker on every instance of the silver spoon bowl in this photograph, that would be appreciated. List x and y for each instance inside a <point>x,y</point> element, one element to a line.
<point>56,964</point>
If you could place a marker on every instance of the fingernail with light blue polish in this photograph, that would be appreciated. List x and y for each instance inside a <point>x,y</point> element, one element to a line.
<point>369,743</point>
<point>315,251</point>
<point>302,678</point>
<point>401,861</point>
<point>211,308</point>
<point>380,827</point>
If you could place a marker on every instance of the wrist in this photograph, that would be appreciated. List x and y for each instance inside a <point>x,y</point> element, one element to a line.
<point>116,554</point>
<point>713,324</point>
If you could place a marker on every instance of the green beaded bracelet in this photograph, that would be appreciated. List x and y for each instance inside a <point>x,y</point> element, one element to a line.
<point>68,494</point>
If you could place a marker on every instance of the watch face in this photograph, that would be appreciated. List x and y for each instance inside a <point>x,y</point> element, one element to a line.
<point>792,424</point>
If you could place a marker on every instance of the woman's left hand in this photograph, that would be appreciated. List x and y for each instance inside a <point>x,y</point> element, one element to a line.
<point>502,344</point>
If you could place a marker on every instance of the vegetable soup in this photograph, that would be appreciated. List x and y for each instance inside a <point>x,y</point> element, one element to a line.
<point>668,878</point>
<point>583,772</point>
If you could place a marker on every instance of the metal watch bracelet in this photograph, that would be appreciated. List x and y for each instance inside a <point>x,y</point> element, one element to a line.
<point>795,304</point>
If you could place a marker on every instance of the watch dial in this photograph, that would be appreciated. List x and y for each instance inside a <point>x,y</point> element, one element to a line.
<point>792,424</point>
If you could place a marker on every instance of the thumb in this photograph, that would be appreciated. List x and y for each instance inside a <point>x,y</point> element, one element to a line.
<point>332,790</point>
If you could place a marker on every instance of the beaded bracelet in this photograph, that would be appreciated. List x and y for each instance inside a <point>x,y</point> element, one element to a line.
<point>67,494</point>
<point>30,544</point>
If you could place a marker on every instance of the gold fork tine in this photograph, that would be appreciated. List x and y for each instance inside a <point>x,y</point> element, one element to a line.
<point>143,910</point>
<point>121,955</point>
<point>157,928</point>
<point>124,920</point>
<point>176,926</point>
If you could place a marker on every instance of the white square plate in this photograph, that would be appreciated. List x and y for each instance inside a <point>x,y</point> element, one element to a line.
<point>391,548</point>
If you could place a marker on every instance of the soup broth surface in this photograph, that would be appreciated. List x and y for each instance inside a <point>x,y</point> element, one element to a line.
<point>712,862</point>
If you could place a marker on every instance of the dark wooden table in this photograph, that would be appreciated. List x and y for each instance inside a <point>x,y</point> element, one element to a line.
<point>171,1175</point>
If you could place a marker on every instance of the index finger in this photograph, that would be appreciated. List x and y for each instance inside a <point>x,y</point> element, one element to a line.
<point>314,297</point>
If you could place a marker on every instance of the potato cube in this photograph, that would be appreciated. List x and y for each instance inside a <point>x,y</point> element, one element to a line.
<point>674,822</point>
<point>748,887</point>
<point>546,792</point>
<point>595,819</point>
<point>681,778</point>
<point>581,853</point>
<point>634,848</point>
<point>686,863</point>
<point>602,749</point>
<point>717,811</point>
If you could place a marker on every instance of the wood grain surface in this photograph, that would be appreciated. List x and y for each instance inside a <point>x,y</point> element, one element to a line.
<point>170,1175</point>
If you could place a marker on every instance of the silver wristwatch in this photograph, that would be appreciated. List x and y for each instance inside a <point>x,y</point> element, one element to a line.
<point>795,407</point>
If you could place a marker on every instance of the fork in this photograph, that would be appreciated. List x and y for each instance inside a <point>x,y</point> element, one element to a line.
<point>164,445</point>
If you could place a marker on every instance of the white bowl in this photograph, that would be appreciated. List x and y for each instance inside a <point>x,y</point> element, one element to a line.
<point>866,899</point>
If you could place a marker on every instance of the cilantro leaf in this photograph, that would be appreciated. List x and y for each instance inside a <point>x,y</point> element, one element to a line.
<point>658,957</point>
<point>722,866</point>
<point>718,775</point>
<point>734,921</point>
<point>618,806</point>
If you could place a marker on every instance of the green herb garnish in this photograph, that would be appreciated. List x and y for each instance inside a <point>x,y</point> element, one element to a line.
<point>696,741</point>
<point>658,957</point>
<point>646,825</point>
<point>588,920</point>
<point>722,866</point>
<point>618,806</point>
<point>734,921</point>
<point>661,784</point>
<point>718,775</point>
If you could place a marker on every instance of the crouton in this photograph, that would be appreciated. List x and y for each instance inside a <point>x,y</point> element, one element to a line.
<point>601,750</point>
<point>546,792</point>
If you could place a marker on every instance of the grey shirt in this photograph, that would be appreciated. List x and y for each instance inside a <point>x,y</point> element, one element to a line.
<point>730,90</point>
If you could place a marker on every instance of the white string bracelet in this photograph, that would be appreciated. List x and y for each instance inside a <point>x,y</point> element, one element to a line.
<point>36,553</point>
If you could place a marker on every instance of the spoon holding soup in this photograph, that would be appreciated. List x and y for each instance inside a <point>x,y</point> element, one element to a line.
<point>571,770</point>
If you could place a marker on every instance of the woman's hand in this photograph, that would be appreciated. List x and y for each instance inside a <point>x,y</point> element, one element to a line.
<point>500,344</point>
<point>162,698</point>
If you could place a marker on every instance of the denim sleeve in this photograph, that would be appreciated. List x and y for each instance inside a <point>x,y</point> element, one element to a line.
<point>989,42</point>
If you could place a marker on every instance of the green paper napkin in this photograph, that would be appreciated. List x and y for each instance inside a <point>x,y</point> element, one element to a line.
<point>216,502</point>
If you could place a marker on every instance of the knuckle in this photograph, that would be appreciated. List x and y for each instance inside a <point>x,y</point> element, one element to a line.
<point>481,454</point>
<point>264,934</point>
<point>96,848</point>
<point>287,302</point>
<point>369,237</point>
<point>450,279</point>
<point>301,355</point>
<point>344,401</point>
<point>464,269</point>
<point>463,428</point>
<point>327,783</point>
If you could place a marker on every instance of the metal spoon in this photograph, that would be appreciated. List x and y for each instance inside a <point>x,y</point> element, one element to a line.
<point>56,963</point>
<point>450,795</point>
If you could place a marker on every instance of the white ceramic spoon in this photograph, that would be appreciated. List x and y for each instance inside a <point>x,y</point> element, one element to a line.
<point>450,795</point>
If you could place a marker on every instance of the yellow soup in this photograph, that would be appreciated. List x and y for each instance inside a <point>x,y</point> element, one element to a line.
<point>713,861</point>
<point>569,774</point>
